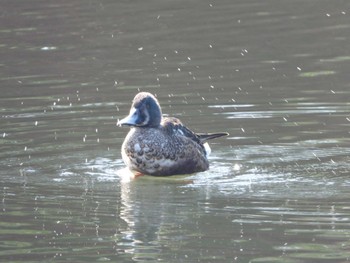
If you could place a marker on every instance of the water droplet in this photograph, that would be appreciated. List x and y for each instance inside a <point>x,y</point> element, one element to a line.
<point>236,167</point>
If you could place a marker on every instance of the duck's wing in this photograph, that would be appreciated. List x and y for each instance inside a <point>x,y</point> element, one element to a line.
<point>175,126</point>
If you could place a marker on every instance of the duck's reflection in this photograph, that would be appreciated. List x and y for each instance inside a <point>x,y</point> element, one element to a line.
<point>143,212</point>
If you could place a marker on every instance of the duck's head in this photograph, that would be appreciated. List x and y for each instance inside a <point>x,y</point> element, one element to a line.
<point>145,112</point>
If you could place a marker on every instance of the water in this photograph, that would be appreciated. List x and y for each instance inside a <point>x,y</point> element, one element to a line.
<point>274,74</point>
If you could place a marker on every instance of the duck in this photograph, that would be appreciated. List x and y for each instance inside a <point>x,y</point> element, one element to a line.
<point>162,146</point>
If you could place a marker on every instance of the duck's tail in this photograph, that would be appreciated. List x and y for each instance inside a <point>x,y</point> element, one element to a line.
<point>203,137</point>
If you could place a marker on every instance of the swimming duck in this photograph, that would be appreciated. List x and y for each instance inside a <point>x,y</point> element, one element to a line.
<point>161,146</point>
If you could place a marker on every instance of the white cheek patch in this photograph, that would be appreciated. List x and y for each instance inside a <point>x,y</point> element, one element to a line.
<point>147,118</point>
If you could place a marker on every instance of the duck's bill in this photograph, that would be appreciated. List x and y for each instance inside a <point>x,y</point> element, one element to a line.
<point>130,120</point>
<point>127,121</point>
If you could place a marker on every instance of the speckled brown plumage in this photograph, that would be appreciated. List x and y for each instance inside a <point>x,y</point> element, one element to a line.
<point>161,146</point>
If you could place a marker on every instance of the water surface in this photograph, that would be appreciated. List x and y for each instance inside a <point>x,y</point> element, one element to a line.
<point>274,74</point>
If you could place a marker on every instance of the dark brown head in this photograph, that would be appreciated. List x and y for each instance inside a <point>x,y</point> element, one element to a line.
<point>145,112</point>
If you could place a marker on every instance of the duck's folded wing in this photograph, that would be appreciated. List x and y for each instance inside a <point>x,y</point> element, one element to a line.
<point>175,126</point>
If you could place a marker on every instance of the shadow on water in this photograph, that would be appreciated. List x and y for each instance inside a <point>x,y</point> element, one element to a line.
<point>273,74</point>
